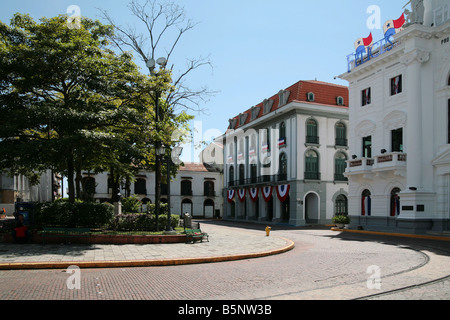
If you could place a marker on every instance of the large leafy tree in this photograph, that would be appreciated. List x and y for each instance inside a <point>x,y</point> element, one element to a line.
<point>68,102</point>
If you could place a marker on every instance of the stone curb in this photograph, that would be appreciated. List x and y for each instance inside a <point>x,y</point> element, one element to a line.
<point>404,235</point>
<point>142,263</point>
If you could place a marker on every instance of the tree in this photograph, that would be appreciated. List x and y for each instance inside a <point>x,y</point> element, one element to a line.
<point>165,24</point>
<point>66,99</point>
<point>161,20</point>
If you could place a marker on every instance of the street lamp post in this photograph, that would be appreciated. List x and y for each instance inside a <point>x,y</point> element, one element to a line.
<point>175,158</point>
<point>151,66</point>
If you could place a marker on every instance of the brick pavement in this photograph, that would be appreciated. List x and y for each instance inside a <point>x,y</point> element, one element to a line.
<point>323,264</point>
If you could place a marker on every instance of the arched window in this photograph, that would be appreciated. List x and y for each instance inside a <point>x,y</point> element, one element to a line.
<point>341,134</point>
<point>241,174</point>
<point>312,165</point>
<point>140,187</point>
<point>186,188</point>
<point>253,173</point>
<point>282,175</point>
<point>339,166</point>
<point>366,205</point>
<point>282,130</point>
<point>311,132</point>
<point>341,205</point>
<point>231,176</point>
<point>448,121</point>
<point>395,202</point>
<point>89,185</point>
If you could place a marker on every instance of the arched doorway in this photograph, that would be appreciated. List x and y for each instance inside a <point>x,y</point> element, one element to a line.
<point>366,203</point>
<point>312,208</point>
<point>285,210</point>
<point>233,209</point>
<point>395,202</point>
<point>269,209</point>
<point>341,205</point>
<point>186,206</point>
<point>208,209</point>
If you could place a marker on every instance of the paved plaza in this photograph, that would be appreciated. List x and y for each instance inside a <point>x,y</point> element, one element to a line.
<point>238,263</point>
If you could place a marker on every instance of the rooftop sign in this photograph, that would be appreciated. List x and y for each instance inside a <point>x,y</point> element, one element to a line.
<point>365,49</point>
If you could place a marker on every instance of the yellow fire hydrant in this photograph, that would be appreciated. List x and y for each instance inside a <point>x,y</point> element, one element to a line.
<point>268,230</point>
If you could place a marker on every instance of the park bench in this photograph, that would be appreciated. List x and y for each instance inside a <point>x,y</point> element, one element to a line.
<point>193,235</point>
<point>65,233</point>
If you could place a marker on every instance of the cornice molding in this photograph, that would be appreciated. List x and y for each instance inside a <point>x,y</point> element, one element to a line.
<point>416,56</point>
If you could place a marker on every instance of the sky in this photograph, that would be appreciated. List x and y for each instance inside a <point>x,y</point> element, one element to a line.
<point>256,47</point>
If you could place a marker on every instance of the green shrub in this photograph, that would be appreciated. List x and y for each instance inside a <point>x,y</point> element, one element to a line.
<point>142,222</point>
<point>341,219</point>
<point>131,204</point>
<point>79,214</point>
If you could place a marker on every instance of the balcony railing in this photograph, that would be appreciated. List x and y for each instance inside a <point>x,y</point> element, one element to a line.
<point>312,175</point>
<point>264,179</point>
<point>340,177</point>
<point>341,142</point>
<point>312,139</point>
<point>209,193</point>
<point>391,161</point>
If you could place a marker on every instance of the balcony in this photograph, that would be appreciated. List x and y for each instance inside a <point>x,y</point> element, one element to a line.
<point>340,177</point>
<point>340,142</point>
<point>312,140</point>
<point>265,179</point>
<point>395,162</point>
<point>312,175</point>
<point>209,193</point>
<point>359,166</point>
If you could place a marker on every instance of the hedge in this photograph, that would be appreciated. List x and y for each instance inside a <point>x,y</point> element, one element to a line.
<point>62,213</point>
<point>79,214</point>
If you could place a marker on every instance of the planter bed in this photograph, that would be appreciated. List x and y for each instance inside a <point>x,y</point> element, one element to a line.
<point>104,239</point>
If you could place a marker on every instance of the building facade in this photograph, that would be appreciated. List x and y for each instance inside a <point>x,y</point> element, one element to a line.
<point>399,171</point>
<point>196,189</point>
<point>284,158</point>
<point>18,189</point>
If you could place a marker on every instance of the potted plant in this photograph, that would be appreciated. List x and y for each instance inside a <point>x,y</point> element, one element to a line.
<point>341,220</point>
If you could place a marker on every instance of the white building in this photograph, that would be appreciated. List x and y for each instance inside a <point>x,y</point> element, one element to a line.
<point>285,157</point>
<point>196,189</point>
<point>18,189</point>
<point>399,174</point>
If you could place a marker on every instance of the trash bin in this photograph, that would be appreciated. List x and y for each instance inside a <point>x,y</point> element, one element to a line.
<point>187,221</point>
<point>26,209</point>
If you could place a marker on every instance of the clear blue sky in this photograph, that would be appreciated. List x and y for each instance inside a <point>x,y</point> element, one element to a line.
<point>257,47</point>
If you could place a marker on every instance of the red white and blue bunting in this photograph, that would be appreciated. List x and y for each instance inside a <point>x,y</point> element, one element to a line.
<point>283,192</point>
<point>230,195</point>
<point>266,193</point>
<point>241,194</point>
<point>253,194</point>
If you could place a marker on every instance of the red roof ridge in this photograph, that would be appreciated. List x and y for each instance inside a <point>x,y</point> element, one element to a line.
<point>298,93</point>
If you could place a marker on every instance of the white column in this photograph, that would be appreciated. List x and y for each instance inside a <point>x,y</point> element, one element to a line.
<point>413,61</point>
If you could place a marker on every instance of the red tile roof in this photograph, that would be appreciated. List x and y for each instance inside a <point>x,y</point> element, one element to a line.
<point>325,94</point>
<point>196,167</point>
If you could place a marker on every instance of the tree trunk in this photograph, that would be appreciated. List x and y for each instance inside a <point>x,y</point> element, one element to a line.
<point>78,179</point>
<point>70,176</point>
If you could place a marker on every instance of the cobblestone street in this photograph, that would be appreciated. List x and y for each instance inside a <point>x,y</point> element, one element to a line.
<point>324,264</point>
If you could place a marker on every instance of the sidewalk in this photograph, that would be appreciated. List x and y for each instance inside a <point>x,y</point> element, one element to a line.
<point>225,244</point>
